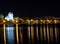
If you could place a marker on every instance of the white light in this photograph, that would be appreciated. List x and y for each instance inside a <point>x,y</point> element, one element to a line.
<point>9,17</point>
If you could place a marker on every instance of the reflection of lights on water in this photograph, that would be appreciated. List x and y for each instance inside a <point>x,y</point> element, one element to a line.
<point>44,32</point>
<point>41,35</point>
<point>32,34</point>
<point>17,33</point>
<point>48,33</point>
<point>4,34</point>
<point>51,33</point>
<point>37,32</point>
<point>29,34</point>
<point>10,34</point>
<point>55,33</point>
<point>21,36</point>
<point>37,29</point>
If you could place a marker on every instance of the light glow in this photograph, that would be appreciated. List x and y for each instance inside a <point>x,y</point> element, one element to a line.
<point>9,16</point>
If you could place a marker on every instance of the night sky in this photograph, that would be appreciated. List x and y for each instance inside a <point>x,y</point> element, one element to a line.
<point>30,8</point>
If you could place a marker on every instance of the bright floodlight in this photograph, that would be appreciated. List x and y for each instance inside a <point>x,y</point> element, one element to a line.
<point>9,17</point>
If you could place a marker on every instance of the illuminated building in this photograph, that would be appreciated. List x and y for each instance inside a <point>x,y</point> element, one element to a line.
<point>9,16</point>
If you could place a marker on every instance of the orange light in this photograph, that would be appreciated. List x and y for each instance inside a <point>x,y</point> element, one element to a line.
<point>4,21</point>
<point>16,21</point>
<point>55,21</point>
<point>41,20</point>
<point>28,20</point>
<point>32,20</point>
<point>48,20</point>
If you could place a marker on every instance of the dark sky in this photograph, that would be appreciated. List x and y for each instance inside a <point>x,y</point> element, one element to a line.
<point>30,8</point>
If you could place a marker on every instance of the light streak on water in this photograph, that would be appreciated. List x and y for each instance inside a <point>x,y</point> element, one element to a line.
<point>4,33</point>
<point>55,32</point>
<point>10,34</point>
<point>44,28</point>
<point>29,34</point>
<point>17,33</point>
<point>41,34</point>
<point>37,33</point>
<point>48,33</point>
<point>21,35</point>
<point>32,34</point>
<point>37,30</point>
<point>51,33</point>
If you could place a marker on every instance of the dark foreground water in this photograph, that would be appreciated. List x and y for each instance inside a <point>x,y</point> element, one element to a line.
<point>31,34</point>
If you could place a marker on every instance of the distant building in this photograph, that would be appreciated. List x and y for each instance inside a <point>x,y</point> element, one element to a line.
<point>9,16</point>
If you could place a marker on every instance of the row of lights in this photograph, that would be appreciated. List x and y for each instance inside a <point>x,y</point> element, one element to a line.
<point>41,21</point>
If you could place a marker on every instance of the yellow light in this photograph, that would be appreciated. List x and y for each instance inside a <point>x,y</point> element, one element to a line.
<point>4,34</point>
<point>56,33</point>
<point>44,33</point>
<point>16,21</point>
<point>28,20</point>
<point>32,34</point>
<point>21,35</point>
<point>17,33</point>
<point>41,33</point>
<point>41,20</point>
<point>4,21</point>
<point>47,33</point>
<point>32,20</point>
<point>48,20</point>
<point>36,21</point>
<point>29,36</point>
<point>55,21</point>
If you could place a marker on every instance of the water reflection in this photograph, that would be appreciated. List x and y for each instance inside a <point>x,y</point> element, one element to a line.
<point>45,33</point>
<point>10,34</point>
<point>32,34</point>
<point>51,33</point>
<point>44,28</point>
<point>17,38</point>
<point>41,33</point>
<point>1,34</point>
<point>29,35</point>
<point>20,35</point>
<point>48,33</point>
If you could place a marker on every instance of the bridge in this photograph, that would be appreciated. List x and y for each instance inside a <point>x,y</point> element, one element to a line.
<point>30,21</point>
